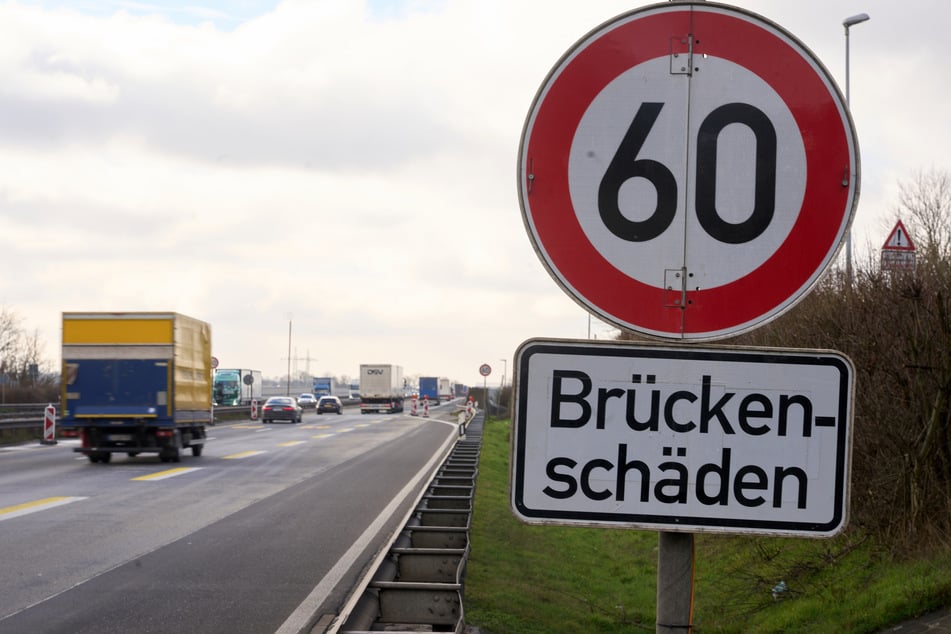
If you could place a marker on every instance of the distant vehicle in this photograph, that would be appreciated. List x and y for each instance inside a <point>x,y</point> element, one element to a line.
<point>281,408</point>
<point>307,401</point>
<point>381,388</point>
<point>445,389</point>
<point>136,383</point>
<point>429,387</point>
<point>329,404</point>
<point>329,386</point>
<point>324,386</point>
<point>237,386</point>
<point>460,390</point>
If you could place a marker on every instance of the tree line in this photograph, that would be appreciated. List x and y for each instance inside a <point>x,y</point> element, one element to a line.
<point>24,374</point>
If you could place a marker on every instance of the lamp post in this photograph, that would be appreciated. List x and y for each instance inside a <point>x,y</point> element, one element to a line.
<point>290,323</point>
<point>847,23</point>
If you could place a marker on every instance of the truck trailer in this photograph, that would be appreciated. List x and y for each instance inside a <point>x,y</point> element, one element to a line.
<point>136,382</point>
<point>237,386</point>
<point>429,387</point>
<point>381,388</point>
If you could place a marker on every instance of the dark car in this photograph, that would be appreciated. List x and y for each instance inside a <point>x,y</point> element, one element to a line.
<point>307,401</point>
<point>329,404</point>
<point>281,408</point>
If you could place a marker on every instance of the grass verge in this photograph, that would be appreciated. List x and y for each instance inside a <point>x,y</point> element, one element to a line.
<point>525,579</point>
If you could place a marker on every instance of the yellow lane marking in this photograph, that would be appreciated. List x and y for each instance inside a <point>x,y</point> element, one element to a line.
<point>291,443</point>
<point>345,430</point>
<point>364,425</point>
<point>319,436</point>
<point>168,473</point>
<point>243,454</point>
<point>17,510</point>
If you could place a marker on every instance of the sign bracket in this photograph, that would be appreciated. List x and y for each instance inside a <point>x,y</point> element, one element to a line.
<point>681,55</point>
<point>675,288</point>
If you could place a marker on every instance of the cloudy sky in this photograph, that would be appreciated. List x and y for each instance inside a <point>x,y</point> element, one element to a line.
<point>345,169</point>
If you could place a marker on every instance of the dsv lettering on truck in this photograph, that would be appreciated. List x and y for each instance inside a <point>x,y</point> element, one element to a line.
<point>682,438</point>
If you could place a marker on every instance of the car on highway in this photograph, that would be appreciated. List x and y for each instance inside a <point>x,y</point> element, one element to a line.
<point>281,408</point>
<point>307,401</point>
<point>329,404</point>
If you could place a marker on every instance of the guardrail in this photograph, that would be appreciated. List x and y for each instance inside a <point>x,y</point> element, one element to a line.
<point>418,586</point>
<point>18,416</point>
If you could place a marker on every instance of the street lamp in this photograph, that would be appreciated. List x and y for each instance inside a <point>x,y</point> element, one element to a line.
<point>290,323</point>
<point>847,23</point>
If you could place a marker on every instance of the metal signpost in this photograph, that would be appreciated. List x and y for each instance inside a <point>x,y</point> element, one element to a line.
<point>485,370</point>
<point>688,171</point>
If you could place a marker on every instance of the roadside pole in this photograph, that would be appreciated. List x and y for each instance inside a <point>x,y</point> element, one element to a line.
<point>675,566</point>
<point>485,370</point>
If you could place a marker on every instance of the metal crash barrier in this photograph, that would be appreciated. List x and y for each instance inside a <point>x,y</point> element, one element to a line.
<point>418,586</point>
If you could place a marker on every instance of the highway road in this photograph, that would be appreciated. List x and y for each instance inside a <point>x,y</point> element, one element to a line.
<point>268,530</point>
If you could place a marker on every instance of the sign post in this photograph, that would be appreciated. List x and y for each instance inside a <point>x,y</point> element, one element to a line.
<point>687,171</point>
<point>485,370</point>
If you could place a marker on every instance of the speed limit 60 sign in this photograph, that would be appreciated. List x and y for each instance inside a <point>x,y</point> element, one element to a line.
<point>688,170</point>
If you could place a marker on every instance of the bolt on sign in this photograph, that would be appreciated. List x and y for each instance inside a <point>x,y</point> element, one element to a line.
<point>675,438</point>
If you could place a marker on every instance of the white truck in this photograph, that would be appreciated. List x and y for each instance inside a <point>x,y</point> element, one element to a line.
<point>445,389</point>
<point>381,388</point>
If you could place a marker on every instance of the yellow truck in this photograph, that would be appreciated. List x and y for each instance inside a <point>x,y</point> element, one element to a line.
<point>136,382</point>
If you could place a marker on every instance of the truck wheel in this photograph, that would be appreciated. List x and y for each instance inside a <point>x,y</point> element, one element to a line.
<point>105,457</point>
<point>170,454</point>
<point>196,450</point>
<point>93,458</point>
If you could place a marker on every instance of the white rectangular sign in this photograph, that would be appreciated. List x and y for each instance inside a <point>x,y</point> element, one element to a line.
<point>682,438</point>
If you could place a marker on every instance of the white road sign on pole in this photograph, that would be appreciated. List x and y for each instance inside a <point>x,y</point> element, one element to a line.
<point>688,170</point>
<point>684,439</point>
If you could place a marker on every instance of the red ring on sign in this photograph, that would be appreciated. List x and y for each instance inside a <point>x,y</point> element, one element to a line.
<point>790,70</point>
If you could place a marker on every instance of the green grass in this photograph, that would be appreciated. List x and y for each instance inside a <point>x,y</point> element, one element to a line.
<point>525,579</point>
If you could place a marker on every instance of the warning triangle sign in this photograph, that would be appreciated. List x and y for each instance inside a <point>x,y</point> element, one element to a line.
<point>898,239</point>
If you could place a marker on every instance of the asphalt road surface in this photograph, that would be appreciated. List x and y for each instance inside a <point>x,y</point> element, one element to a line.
<point>270,519</point>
